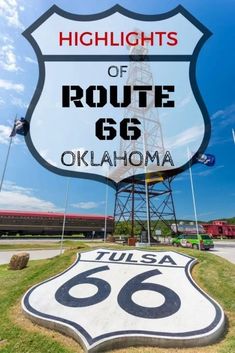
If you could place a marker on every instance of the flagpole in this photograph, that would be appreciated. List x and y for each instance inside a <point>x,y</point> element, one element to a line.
<point>106,210</point>
<point>5,165</point>
<point>7,157</point>
<point>64,218</point>
<point>147,208</point>
<point>194,201</point>
<point>147,195</point>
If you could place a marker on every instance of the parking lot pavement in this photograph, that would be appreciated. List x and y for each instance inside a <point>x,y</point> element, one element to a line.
<point>225,243</point>
<point>225,249</point>
<point>5,256</point>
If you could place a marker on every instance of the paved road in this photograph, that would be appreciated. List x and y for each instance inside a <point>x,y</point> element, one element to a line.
<point>225,243</point>
<point>5,256</point>
<point>225,249</point>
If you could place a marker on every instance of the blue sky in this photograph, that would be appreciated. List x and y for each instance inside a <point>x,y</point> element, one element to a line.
<point>29,186</point>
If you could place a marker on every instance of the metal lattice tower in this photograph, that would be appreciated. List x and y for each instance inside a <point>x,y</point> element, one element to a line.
<point>139,200</point>
<point>130,204</point>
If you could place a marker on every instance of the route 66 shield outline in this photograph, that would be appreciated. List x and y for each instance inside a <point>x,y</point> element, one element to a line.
<point>118,298</point>
<point>39,113</point>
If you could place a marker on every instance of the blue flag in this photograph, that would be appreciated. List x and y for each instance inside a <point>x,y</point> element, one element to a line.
<point>206,159</point>
<point>20,127</point>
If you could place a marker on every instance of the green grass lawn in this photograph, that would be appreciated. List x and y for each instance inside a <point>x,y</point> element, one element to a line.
<point>214,274</point>
<point>39,245</point>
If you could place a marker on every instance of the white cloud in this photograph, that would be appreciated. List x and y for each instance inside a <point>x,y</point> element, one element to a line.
<point>185,101</point>
<point>221,120</point>
<point>9,10</point>
<point>2,102</point>
<point>9,85</point>
<point>186,137</point>
<point>5,133</point>
<point>8,58</point>
<point>5,38</point>
<point>14,197</point>
<point>205,172</point>
<point>217,114</point>
<point>30,60</point>
<point>86,205</point>
<point>18,102</point>
<point>225,116</point>
<point>209,170</point>
<point>11,186</point>
<point>217,140</point>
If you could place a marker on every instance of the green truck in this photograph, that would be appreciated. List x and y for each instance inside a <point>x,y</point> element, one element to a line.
<point>193,241</point>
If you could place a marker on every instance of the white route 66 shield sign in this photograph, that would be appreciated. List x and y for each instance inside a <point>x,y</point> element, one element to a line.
<point>117,298</point>
<point>117,95</point>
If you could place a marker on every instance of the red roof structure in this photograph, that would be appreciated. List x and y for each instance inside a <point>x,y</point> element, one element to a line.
<point>50,214</point>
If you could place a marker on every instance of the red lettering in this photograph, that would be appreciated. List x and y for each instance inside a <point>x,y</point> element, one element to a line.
<point>83,42</point>
<point>172,36</point>
<point>99,39</point>
<point>62,39</point>
<point>160,35</point>
<point>112,42</point>
<point>132,43</point>
<point>147,39</point>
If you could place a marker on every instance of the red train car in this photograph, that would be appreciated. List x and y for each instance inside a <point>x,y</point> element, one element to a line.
<point>51,223</point>
<point>220,229</point>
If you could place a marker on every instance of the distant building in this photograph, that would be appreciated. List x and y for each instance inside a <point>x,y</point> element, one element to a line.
<point>215,229</point>
<point>187,228</point>
<point>220,229</point>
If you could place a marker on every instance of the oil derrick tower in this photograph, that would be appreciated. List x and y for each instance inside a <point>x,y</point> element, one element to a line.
<point>148,201</point>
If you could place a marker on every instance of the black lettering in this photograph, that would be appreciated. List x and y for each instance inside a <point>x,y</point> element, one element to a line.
<point>129,258</point>
<point>93,164</point>
<point>134,161</point>
<point>100,129</point>
<point>106,159</point>
<point>167,260</point>
<point>151,259</point>
<point>120,258</point>
<point>142,94</point>
<point>119,158</point>
<point>76,99</point>
<point>81,158</point>
<point>159,96</point>
<point>68,153</point>
<point>167,159</point>
<point>152,158</point>
<point>101,254</point>
<point>90,100</point>
<point>131,132</point>
<point>126,96</point>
